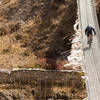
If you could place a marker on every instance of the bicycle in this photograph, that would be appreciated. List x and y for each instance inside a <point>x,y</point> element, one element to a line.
<point>90,40</point>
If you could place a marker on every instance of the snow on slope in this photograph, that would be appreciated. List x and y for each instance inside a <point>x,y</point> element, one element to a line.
<point>76,57</point>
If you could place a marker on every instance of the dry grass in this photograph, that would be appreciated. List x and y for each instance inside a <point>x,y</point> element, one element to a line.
<point>30,31</point>
<point>5,1</point>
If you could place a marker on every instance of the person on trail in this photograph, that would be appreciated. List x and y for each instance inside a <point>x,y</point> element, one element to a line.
<point>89,32</point>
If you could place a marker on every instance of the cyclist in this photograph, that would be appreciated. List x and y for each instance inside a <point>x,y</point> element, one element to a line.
<point>89,32</point>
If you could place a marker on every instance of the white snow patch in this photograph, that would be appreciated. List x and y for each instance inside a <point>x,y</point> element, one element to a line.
<point>85,99</point>
<point>76,57</point>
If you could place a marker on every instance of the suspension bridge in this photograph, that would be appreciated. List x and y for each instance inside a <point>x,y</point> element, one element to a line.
<point>87,15</point>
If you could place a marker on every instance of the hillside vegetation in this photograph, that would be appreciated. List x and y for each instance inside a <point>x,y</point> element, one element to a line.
<point>97,4</point>
<point>36,32</point>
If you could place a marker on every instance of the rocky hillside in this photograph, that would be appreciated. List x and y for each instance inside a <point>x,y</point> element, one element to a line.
<point>36,32</point>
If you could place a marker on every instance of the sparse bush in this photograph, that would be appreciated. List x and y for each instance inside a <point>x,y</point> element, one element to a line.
<point>79,67</point>
<point>81,73</point>
<point>3,31</point>
<point>25,54</point>
<point>42,63</point>
<point>5,51</point>
<point>18,37</point>
<point>32,66</point>
<point>52,27</point>
<point>15,27</point>
<point>38,66</point>
<point>24,44</point>
<point>83,84</point>
<point>69,68</point>
<point>58,1</point>
<point>5,1</point>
